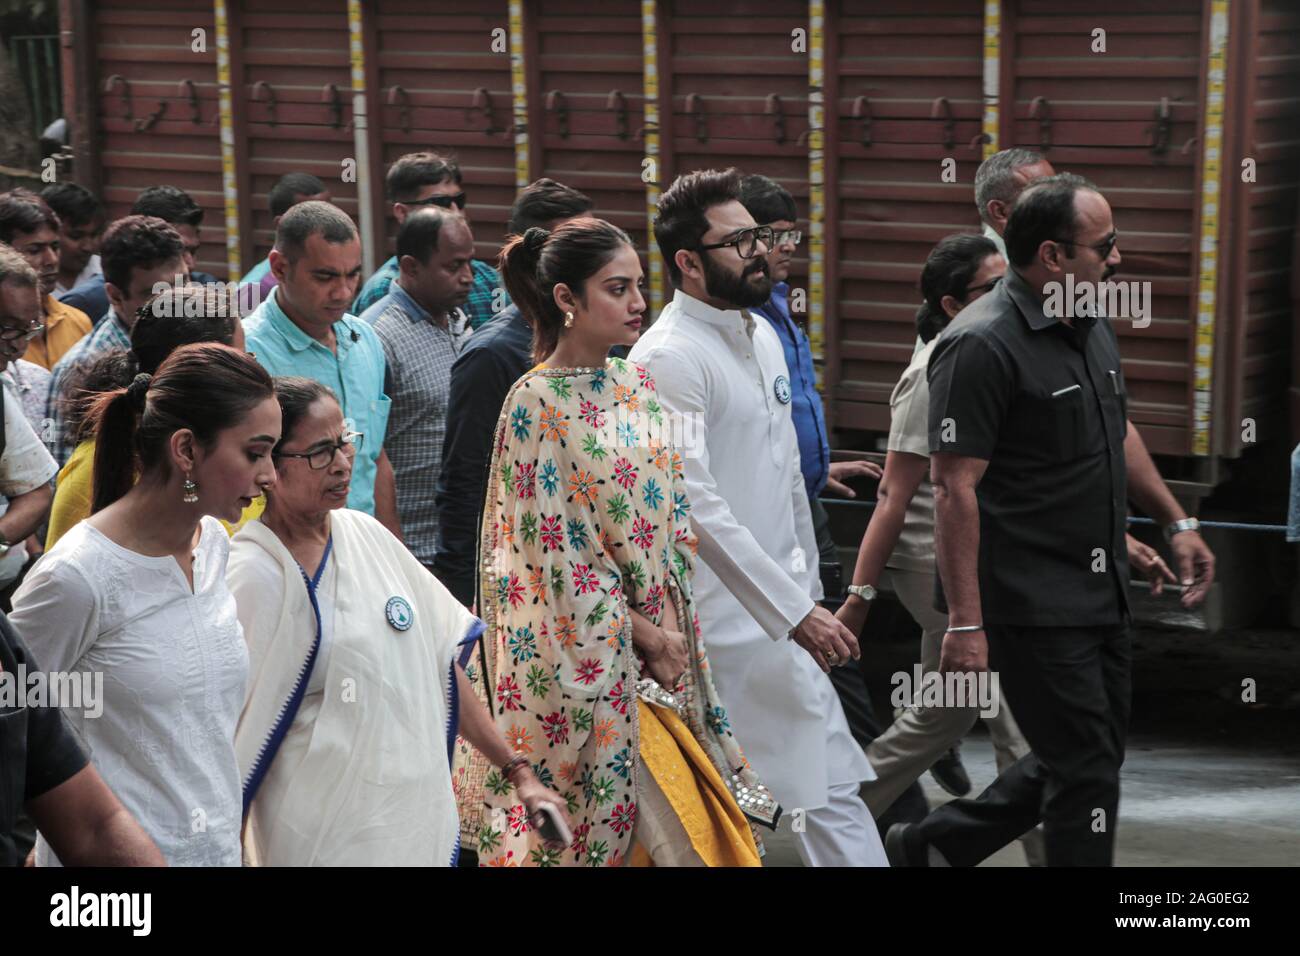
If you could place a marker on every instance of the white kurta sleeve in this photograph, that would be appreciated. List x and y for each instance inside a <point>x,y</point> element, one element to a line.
<point>56,614</point>
<point>807,533</point>
<point>774,599</point>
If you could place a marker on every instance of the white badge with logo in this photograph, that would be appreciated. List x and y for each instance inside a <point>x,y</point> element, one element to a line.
<point>399,613</point>
<point>781,387</point>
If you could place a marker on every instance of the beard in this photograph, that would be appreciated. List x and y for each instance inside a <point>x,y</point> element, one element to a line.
<point>738,290</point>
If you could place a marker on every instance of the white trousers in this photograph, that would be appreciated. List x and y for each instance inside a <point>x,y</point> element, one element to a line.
<point>841,833</point>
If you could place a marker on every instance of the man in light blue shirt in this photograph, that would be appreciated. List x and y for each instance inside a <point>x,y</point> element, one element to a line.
<point>303,328</point>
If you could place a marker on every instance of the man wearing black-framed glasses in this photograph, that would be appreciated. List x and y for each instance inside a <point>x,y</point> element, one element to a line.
<point>420,181</point>
<point>722,376</point>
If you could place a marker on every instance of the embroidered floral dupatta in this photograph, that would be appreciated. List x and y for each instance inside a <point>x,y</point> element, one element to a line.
<point>586,516</point>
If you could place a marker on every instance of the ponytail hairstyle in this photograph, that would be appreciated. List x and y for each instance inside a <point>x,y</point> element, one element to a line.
<point>179,316</point>
<point>948,270</point>
<point>204,387</point>
<point>534,263</point>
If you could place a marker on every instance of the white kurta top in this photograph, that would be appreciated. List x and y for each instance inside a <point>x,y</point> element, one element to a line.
<point>174,669</point>
<point>724,375</point>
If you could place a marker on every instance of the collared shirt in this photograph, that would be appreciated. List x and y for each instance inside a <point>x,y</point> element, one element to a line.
<point>909,432</point>
<point>355,373</point>
<point>92,268</point>
<point>1045,405</point>
<point>492,361</point>
<point>64,327</point>
<point>487,296</point>
<point>806,403</point>
<point>420,355</point>
<point>108,334</point>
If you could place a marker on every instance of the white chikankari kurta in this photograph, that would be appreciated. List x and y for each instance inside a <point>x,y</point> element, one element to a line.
<point>723,374</point>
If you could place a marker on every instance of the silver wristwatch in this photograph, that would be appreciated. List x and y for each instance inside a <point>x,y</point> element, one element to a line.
<point>864,591</point>
<point>1182,524</point>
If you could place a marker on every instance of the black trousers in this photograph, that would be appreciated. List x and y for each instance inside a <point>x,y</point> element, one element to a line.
<point>1070,689</point>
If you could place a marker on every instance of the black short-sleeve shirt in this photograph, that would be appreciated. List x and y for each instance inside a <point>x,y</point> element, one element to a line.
<point>1045,404</point>
<point>38,748</point>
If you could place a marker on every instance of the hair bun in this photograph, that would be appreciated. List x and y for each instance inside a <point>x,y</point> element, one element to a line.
<point>138,388</point>
<point>534,238</point>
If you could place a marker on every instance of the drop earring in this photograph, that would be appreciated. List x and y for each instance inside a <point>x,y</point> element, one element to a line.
<point>568,320</point>
<point>191,491</point>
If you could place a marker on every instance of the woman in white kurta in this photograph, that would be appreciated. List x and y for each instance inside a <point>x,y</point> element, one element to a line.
<point>136,595</point>
<point>355,695</point>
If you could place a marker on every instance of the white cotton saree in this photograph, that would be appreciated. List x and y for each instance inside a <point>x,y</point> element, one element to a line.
<point>357,774</point>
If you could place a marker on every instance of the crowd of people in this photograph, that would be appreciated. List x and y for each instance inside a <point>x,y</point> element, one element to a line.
<point>480,562</point>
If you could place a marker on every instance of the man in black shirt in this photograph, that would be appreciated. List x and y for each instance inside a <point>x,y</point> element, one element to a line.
<point>1034,460</point>
<point>43,767</point>
<point>493,359</point>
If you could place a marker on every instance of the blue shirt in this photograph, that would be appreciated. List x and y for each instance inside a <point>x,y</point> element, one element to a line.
<point>109,334</point>
<point>806,403</point>
<point>356,375</point>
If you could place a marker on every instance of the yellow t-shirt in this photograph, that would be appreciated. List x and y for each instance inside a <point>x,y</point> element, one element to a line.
<point>74,490</point>
<point>64,328</point>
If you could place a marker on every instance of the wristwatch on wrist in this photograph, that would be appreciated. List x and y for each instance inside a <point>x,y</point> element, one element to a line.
<point>1182,524</point>
<point>4,545</point>
<point>864,591</point>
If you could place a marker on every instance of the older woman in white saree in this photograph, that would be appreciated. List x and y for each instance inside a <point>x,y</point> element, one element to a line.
<point>355,690</point>
<point>595,666</point>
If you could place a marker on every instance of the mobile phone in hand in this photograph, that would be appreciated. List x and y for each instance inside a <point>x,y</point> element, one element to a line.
<point>553,828</point>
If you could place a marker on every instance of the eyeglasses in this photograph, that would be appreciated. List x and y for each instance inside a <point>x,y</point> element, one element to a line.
<point>746,242</point>
<point>788,237</point>
<point>1102,248</point>
<point>981,289</point>
<point>323,457</point>
<point>9,333</point>
<point>446,202</point>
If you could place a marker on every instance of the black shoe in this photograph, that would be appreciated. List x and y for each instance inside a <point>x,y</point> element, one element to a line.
<point>904,846</point>
<point>949,773</point>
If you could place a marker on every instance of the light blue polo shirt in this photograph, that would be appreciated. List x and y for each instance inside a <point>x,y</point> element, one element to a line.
<point>356,376</point>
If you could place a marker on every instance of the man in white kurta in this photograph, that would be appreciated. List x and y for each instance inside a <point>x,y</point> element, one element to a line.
<point>723,376</point>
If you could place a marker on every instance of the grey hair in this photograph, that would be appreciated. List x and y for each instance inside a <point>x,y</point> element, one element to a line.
<point>312,218</point>
<point>14,268</point>
<point>996,179</point>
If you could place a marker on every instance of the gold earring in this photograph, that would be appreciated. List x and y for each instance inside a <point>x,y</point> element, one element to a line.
<point>191,491</point>
<point>568,320</point>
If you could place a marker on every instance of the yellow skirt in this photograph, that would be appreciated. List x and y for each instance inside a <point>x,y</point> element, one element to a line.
<point>686,816</point>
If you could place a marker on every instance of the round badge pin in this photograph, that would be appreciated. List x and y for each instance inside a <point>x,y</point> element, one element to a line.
<point>399,614</point>
<point>782,389</point>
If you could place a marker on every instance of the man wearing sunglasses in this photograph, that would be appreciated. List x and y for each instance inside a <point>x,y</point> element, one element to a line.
<point>1034,460</point>
<point>723,377</point>
<point>418,181</point>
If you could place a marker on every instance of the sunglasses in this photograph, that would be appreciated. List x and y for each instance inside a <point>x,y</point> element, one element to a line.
<point>446,202</point>
<point>746,242</point>
<point>1102,248</point>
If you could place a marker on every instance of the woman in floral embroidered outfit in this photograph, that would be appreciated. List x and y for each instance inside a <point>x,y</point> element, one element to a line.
<point>595,666</point>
